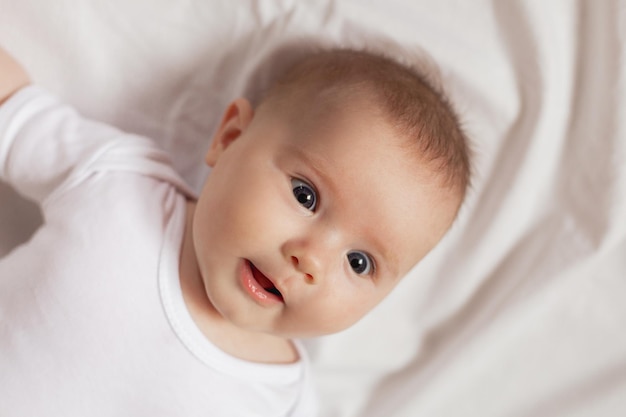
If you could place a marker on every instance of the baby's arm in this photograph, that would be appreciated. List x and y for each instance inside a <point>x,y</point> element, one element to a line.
<point>12,76</point>
<point>47,147</point>
<point>41,139</point>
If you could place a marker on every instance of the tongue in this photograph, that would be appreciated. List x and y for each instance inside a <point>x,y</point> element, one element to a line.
<point>261,279</point>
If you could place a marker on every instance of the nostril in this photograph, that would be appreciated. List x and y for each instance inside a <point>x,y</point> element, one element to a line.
<point>307,277</point>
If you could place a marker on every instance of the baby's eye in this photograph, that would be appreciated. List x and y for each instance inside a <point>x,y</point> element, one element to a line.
<point>304,193</point>
<point>360,262</point>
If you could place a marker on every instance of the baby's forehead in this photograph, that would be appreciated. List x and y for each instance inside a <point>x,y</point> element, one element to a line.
<point>335,108</point>
<point>360,129</point>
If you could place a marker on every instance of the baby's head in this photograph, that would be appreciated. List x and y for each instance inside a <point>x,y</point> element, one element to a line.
<point>324,195</point>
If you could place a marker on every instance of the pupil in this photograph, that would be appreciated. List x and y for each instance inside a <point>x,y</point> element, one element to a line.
<point>303,197</point>
<point>356,263</point>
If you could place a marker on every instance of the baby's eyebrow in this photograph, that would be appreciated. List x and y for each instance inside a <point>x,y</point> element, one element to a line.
<point>316,164</point>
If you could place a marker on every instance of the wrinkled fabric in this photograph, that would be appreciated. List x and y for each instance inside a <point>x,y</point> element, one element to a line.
<point>519,311</point>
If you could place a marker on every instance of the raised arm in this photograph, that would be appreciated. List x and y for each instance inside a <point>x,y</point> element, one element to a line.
<point>12,76</point>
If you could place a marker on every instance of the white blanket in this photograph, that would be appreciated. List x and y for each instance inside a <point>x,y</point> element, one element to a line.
<point>521,311</point>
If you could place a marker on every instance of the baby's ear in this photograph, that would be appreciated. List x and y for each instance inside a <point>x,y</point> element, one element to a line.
<point>235,121</point>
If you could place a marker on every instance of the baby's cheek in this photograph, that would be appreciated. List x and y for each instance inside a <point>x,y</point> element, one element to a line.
<point>242,224</point>
<point>332,311</point>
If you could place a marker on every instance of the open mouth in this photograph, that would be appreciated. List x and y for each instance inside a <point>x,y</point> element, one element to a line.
<point>264,281</point>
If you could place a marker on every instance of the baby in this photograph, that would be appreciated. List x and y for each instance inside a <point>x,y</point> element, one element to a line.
<point>136,298</point>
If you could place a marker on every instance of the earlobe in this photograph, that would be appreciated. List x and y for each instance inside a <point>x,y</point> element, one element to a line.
<point>235,121</point>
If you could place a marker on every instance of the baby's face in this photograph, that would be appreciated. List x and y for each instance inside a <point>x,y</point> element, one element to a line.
<point>305,225</point>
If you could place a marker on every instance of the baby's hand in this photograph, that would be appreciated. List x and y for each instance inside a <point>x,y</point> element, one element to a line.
<point>12,76</point>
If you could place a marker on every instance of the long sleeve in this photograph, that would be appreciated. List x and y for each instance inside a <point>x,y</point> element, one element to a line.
<point>46,147</point>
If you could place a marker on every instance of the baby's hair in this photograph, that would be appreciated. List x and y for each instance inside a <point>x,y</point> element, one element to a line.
<point>412,104</point>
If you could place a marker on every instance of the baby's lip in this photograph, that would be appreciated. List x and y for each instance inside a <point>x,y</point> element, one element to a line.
<point>266,283</point>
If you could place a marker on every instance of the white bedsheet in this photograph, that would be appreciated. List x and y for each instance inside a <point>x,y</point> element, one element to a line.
<point>521,311</point>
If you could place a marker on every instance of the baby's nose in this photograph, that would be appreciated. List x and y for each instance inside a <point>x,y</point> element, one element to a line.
<point>312,255</point>
<point>309,277</point>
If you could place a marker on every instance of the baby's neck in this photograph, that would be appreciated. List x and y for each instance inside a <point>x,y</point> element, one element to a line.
<point>238,342</point>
